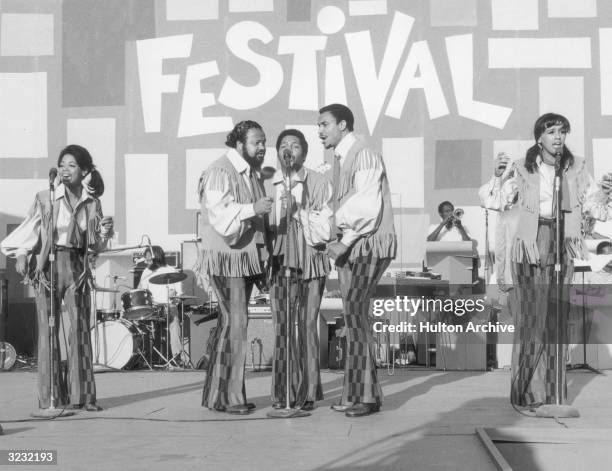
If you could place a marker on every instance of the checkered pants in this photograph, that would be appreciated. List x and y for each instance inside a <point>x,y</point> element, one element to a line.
<point>358,281</point>
<point>533,305</point>
<point>224,384</point>
<point>77,385</point>
<point>305,298</point>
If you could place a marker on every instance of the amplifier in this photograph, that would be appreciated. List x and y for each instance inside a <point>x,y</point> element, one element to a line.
<point>260,338</point>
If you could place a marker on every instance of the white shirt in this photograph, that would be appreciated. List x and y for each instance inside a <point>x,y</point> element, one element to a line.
<point>64,213</point>
<point>160,292</point>
<point>448,235</point>
<point>229,218</point>
<point>547,189</point>
<point>358,215</point>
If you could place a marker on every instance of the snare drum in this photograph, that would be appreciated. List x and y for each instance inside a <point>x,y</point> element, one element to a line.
<point>137,305</point>
<point>116,343</point>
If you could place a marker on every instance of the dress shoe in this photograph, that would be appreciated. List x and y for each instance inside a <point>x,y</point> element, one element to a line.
<point>250,405</point>
<point>239,409</point>
<point>308,406</point>
<point>92,408</point>
<point>361,409</point>
<point>340,407</point>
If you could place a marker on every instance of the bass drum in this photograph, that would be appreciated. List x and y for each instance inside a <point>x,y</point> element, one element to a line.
<point>116,344</point>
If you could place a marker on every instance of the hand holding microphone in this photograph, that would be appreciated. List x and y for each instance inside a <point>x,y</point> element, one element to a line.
<point>501,162</point>
<point>606,183</point>
<point>263,205</point>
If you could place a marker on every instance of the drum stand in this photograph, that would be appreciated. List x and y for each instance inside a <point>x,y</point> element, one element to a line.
<point>183,354</point>
<point>169,361</point>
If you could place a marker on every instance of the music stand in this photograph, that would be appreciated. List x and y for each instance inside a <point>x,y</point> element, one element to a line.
<point>585,365</point>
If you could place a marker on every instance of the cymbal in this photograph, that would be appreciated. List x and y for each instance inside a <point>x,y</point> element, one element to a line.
<point>102,289</point>
<point>183,296</point>
<point>167,278</point>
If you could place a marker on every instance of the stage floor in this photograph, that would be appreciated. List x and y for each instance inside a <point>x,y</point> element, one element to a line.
<point>154,421</point>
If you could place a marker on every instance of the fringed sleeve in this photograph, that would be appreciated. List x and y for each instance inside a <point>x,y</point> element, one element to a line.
<point>596,203</point>
<point>97,242</point>
<point>499,193</point>
<point>26,236</point>
<point>316,219</point>
<point>360,214</point>
<point>217,198</point>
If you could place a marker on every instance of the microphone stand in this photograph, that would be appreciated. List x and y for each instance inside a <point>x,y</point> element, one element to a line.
<point>558,409</point>
<point>52,411</point>
<point>288,412</point>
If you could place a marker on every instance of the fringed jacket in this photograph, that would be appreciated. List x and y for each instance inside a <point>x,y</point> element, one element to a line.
<point>310,223</point>
<point>31,237</point>
<point>580,196</point>
<point>363,201</point>
<point>233,238</point>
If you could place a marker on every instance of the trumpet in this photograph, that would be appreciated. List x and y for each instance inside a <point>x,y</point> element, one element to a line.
<point>458,213</point>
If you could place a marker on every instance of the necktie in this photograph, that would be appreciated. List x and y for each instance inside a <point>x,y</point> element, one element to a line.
<point>260,222</point>
<point>336,191</point>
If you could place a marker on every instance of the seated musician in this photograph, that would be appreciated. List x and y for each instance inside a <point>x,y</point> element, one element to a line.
<point>156,265</point>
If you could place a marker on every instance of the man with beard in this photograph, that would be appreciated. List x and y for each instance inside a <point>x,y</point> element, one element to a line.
<point>234,251</point>
<point>450,228</point>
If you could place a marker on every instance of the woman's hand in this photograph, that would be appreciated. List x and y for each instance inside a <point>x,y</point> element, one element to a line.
<point>22,265</point>
<point>107,226</point>
<point>606,183</point>
<point>501,162</point>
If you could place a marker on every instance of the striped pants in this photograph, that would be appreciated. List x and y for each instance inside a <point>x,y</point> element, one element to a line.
<point>358,281</point>
<point>305,298</point>
<point>533,306</point>
<point>224,384</point>
<point>77,385</point>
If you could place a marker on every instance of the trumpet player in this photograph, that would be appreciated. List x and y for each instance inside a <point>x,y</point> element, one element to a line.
<point>450,228</point>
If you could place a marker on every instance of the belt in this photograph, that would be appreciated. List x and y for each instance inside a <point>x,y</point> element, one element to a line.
<point>546,221</point>
<point>63,248</point>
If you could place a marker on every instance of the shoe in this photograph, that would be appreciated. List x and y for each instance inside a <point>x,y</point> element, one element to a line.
<point>239,409</point>
<point>250,405</point>
<point>361,409</point>
<point>340,407</point>
<point>308,406</point>
<point>92,408</point>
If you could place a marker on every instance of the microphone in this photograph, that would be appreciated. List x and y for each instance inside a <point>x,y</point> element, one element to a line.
<point>558,168</point>
<point>52,177</point>
<point>287,156</point>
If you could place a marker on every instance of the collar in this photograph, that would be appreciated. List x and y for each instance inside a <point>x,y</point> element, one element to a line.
<point>344,146</point>
<point>299,177</point>
<point>237,161</point>
<point>60,192</point>
<point>540,161</point>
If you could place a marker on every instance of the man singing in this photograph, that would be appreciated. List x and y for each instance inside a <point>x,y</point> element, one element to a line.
<point>304,255</point>
<point>367,244</point>
<point>234,219</point>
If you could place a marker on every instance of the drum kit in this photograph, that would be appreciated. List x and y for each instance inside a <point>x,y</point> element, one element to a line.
<point>138,335</point>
